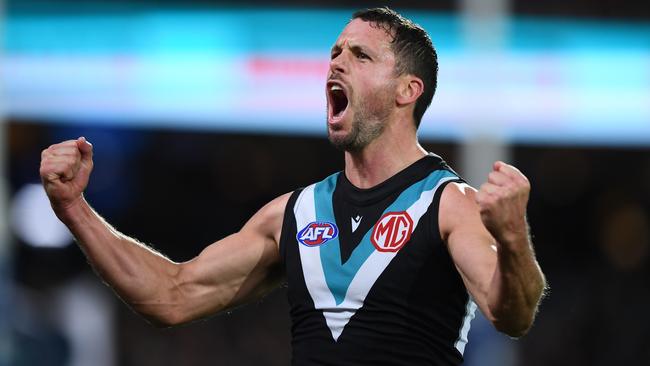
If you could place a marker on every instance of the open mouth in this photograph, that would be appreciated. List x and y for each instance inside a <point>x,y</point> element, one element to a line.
<point>338,100</point>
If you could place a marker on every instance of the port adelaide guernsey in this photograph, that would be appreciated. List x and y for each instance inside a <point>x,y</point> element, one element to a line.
<point>370,281</point>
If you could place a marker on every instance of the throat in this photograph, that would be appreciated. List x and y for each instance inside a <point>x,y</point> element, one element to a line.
<point>377,163</point>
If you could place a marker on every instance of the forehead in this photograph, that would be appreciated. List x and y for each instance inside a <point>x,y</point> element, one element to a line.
<point>361,33</point>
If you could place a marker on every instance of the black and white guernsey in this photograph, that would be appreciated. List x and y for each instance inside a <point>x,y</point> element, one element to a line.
<point>370,281</point>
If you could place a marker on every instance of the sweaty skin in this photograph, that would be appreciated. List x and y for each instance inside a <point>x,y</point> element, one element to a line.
<point>485,230</point>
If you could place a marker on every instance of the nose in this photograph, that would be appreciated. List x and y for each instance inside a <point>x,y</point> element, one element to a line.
<point>338,64</point>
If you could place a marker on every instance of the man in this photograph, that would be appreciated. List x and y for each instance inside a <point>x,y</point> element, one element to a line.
<point>385,261</point>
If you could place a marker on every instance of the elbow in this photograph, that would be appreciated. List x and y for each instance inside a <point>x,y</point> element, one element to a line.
<point>162,311</point>
<point>176,316</point>
<point>160,323</point>
<point>514,326</point>
<point>163,323</point>
<point>167,306</point>
<point>164,318</point>
<point>516,321</point>
<point>514,330</point>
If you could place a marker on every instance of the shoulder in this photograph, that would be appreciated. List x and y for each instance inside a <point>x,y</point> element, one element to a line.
<point>268,220</point>
<point>274,210</point>
<point>277,205</point>
<point>457,207</point>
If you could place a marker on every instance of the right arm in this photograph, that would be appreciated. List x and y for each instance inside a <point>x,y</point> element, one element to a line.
<point>229,272</point>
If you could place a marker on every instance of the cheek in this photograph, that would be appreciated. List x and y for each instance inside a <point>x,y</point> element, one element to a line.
<point>382,93</point>
<point>376,90</point>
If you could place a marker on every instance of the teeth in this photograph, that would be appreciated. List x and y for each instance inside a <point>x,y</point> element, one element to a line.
<point>335,87</point>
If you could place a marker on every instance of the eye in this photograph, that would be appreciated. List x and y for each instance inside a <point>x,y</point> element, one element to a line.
<point>334,55</point>
<point>363,56</point>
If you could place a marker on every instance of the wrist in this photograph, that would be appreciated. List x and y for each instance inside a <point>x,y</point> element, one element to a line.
<point>70,211</point>
<point>516,237</point>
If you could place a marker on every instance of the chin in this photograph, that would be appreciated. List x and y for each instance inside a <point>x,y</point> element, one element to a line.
<point>339,139</point>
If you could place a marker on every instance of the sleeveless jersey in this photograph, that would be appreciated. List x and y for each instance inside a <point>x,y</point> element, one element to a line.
<point>370,281</point>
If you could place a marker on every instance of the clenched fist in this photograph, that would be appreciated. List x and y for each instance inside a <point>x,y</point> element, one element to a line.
<point>502,202</point>
<point>65,169</point>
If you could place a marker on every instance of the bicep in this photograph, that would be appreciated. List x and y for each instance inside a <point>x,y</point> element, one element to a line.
<point>470,245</point>
<point>236,269</point>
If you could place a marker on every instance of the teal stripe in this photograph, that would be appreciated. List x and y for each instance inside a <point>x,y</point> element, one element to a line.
<point>412,193</point>
<point>338,275</point>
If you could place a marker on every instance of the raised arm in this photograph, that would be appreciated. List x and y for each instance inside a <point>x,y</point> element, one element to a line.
<point>238,268</point>
<point>487,236</point>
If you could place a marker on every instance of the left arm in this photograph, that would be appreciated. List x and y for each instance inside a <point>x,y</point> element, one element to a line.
<point>487,236</point>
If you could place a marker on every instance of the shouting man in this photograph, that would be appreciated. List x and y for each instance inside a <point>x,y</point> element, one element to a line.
<point>385,262</point>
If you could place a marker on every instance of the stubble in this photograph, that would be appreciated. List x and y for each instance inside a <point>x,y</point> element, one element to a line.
<point>369,122</point>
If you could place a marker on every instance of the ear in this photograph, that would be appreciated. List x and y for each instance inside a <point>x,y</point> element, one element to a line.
<point>409,90</point>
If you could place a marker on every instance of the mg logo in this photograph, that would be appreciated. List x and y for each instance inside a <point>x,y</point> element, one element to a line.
<point>392,231</point>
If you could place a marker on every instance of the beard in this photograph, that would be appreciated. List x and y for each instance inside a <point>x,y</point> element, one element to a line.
<point>368,124</point>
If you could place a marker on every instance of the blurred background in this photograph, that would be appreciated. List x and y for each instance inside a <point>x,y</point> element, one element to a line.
<point>202,111</point>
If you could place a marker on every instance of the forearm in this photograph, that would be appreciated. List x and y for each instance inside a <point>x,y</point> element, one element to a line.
<point>516,287</point>
<point>140,276</point>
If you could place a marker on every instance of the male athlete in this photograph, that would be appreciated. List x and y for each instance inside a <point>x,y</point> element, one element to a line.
<point>385,261</point>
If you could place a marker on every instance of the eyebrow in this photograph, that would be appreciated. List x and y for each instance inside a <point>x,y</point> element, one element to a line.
<point>354,48</point>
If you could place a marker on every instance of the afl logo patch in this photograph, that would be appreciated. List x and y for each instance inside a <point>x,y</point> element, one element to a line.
<point>317,233</point>
<point>392,231</point>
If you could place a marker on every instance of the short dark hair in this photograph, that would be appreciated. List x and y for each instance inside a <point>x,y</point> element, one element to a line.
<point>413,49</point>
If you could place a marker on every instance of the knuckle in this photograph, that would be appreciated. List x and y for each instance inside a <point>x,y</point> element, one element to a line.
<point>523,186</point>
<point>522,178</point>
<point>47,174</point>
<point>45,167</point>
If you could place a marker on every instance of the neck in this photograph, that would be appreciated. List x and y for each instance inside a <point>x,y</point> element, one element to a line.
<point>382,158</point>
